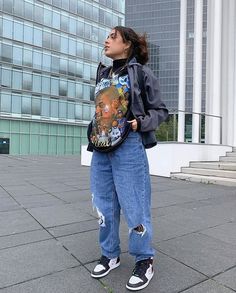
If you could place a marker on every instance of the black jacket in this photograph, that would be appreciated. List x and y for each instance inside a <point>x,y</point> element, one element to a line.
<point>148,108</point>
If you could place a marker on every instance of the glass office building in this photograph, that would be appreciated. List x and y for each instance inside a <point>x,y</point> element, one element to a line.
<point>49,52</point>
<point>160,19</point>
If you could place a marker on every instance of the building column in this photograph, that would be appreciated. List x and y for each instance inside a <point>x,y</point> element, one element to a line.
<point>197,70</point>
<point>213,90</point>
<point>182,70</point>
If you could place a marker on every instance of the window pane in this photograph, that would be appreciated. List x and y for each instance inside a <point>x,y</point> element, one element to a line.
<point>87,31</point>
<point>19,7</point>
<point>48,17</point>
<point>78,111</point>
<point>71,89</point>
<point>72,26</point>
<point>46,85</point>
<point>72,47</point>
<point>80,8</point>
<point>8,6</point>
<point>16,104</point>
<point>56,20</point>
<point>64,23</point>
<point>27,81</point>
<point>73,6</point>
<point>36,106</point>
<point>28,11</point>
<point>37,60</point>
<point>45,108</point>
<point>71,111</point>
<point>87,51</point>
<point>63,88</point>
<point>56,42</point>
<point>79,69</point>
<point>27,58</point>
<point>38,14</point>
<point>38,37</point>
<point>64,45</point>
<point>55,64</point>
<point>94,35</point>
<point>28,34</point>
<point>46,62</point>
<point>79,91</point>
<point>6,78</point>
<point>26,105</point>
<point>87,71</point>
<point>17,80</point>
<point>54,86</point>
<point>18,31</point>
<point>6,53</point>
<point>86,112</point>
<point>86,95</point>
<point>7,28</point>
<point>5,103</point>
<point>63,66</point>
<point>80,49</point>
<point>54,108</point>
<point>37,83</point>
<point>62,109</point>
<point>47,40</point>
<point>71,69</point>
<point>80,29</point>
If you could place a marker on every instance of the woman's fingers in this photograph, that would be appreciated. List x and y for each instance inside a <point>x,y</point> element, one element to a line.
<point>134,124</point>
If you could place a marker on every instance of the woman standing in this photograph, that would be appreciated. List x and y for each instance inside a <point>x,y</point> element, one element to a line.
<point>128,111</point>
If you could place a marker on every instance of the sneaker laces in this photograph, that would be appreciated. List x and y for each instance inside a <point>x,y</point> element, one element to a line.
<point>141,267</point>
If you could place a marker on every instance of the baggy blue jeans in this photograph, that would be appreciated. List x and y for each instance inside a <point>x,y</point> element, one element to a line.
<point>120,181</point>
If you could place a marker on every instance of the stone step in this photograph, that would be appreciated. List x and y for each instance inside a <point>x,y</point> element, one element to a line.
<point>231,154</point>
<point>209,172</point>
<point>204,179</point>
<point>228,159</point>
<point>214,165</point>
<point>234,149</point>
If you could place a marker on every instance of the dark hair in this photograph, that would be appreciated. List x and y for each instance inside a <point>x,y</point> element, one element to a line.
<point>138,46</point>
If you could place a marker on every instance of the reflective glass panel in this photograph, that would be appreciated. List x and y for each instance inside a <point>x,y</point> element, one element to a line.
<point>26,105</point>
<point>27,81</point>
<point>54,108</point>
<point>6,78</point>
<point>36,106</point>
<point>5,103</point>
<point>16,104</point>
<point>18,31</point>
<point>45,108</point>
<point>17,80</point>
<point>17,55</point>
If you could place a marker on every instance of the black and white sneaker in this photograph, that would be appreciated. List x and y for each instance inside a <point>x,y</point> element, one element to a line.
<point>104,266</point>
<point>142,275</point>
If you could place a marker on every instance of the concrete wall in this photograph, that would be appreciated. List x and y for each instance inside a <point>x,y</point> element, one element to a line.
<point>170,157</point>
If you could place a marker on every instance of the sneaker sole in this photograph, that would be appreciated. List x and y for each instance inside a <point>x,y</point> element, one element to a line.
<point>141,287</point>
<point>106,273</point>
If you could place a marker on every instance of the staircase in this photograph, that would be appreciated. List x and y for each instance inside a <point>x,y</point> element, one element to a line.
<point>222,172</point>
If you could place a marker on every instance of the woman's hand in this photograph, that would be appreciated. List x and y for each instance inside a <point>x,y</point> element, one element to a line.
<point>134,124</point>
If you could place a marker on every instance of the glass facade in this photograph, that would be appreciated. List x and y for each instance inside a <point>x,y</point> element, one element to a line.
<point>160,19</point>
<point>49,52</point>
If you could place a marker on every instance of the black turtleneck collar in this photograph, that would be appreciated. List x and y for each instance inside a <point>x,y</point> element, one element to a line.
<point>118,63</point>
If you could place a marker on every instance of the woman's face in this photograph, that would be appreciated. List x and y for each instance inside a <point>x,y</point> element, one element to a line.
<point>114,46</point>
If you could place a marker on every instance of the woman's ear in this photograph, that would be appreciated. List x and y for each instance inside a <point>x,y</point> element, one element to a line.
<point>128,45</point>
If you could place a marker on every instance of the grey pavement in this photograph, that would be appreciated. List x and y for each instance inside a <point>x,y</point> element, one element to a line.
<point>49,232</point>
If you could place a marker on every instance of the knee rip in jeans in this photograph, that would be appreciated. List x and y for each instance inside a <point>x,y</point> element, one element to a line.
<point>101,220</point>
<point>140,230</point>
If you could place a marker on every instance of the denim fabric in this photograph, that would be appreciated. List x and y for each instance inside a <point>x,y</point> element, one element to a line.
<point>120,181</point>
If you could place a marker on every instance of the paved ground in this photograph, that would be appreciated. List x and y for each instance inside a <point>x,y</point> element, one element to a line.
<point>48,232</point>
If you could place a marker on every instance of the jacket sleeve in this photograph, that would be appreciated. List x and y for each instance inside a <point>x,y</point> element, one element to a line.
<point>155,109</point>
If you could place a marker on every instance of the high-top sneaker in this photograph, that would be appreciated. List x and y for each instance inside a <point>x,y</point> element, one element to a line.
<point>141,275</point>
<point>104,266</point>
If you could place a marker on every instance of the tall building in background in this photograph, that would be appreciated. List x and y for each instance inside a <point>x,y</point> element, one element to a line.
<point>49,52</point>
<point>160,19</point>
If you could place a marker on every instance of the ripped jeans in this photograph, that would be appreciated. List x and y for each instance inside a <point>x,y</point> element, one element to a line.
<point>120,181</point>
